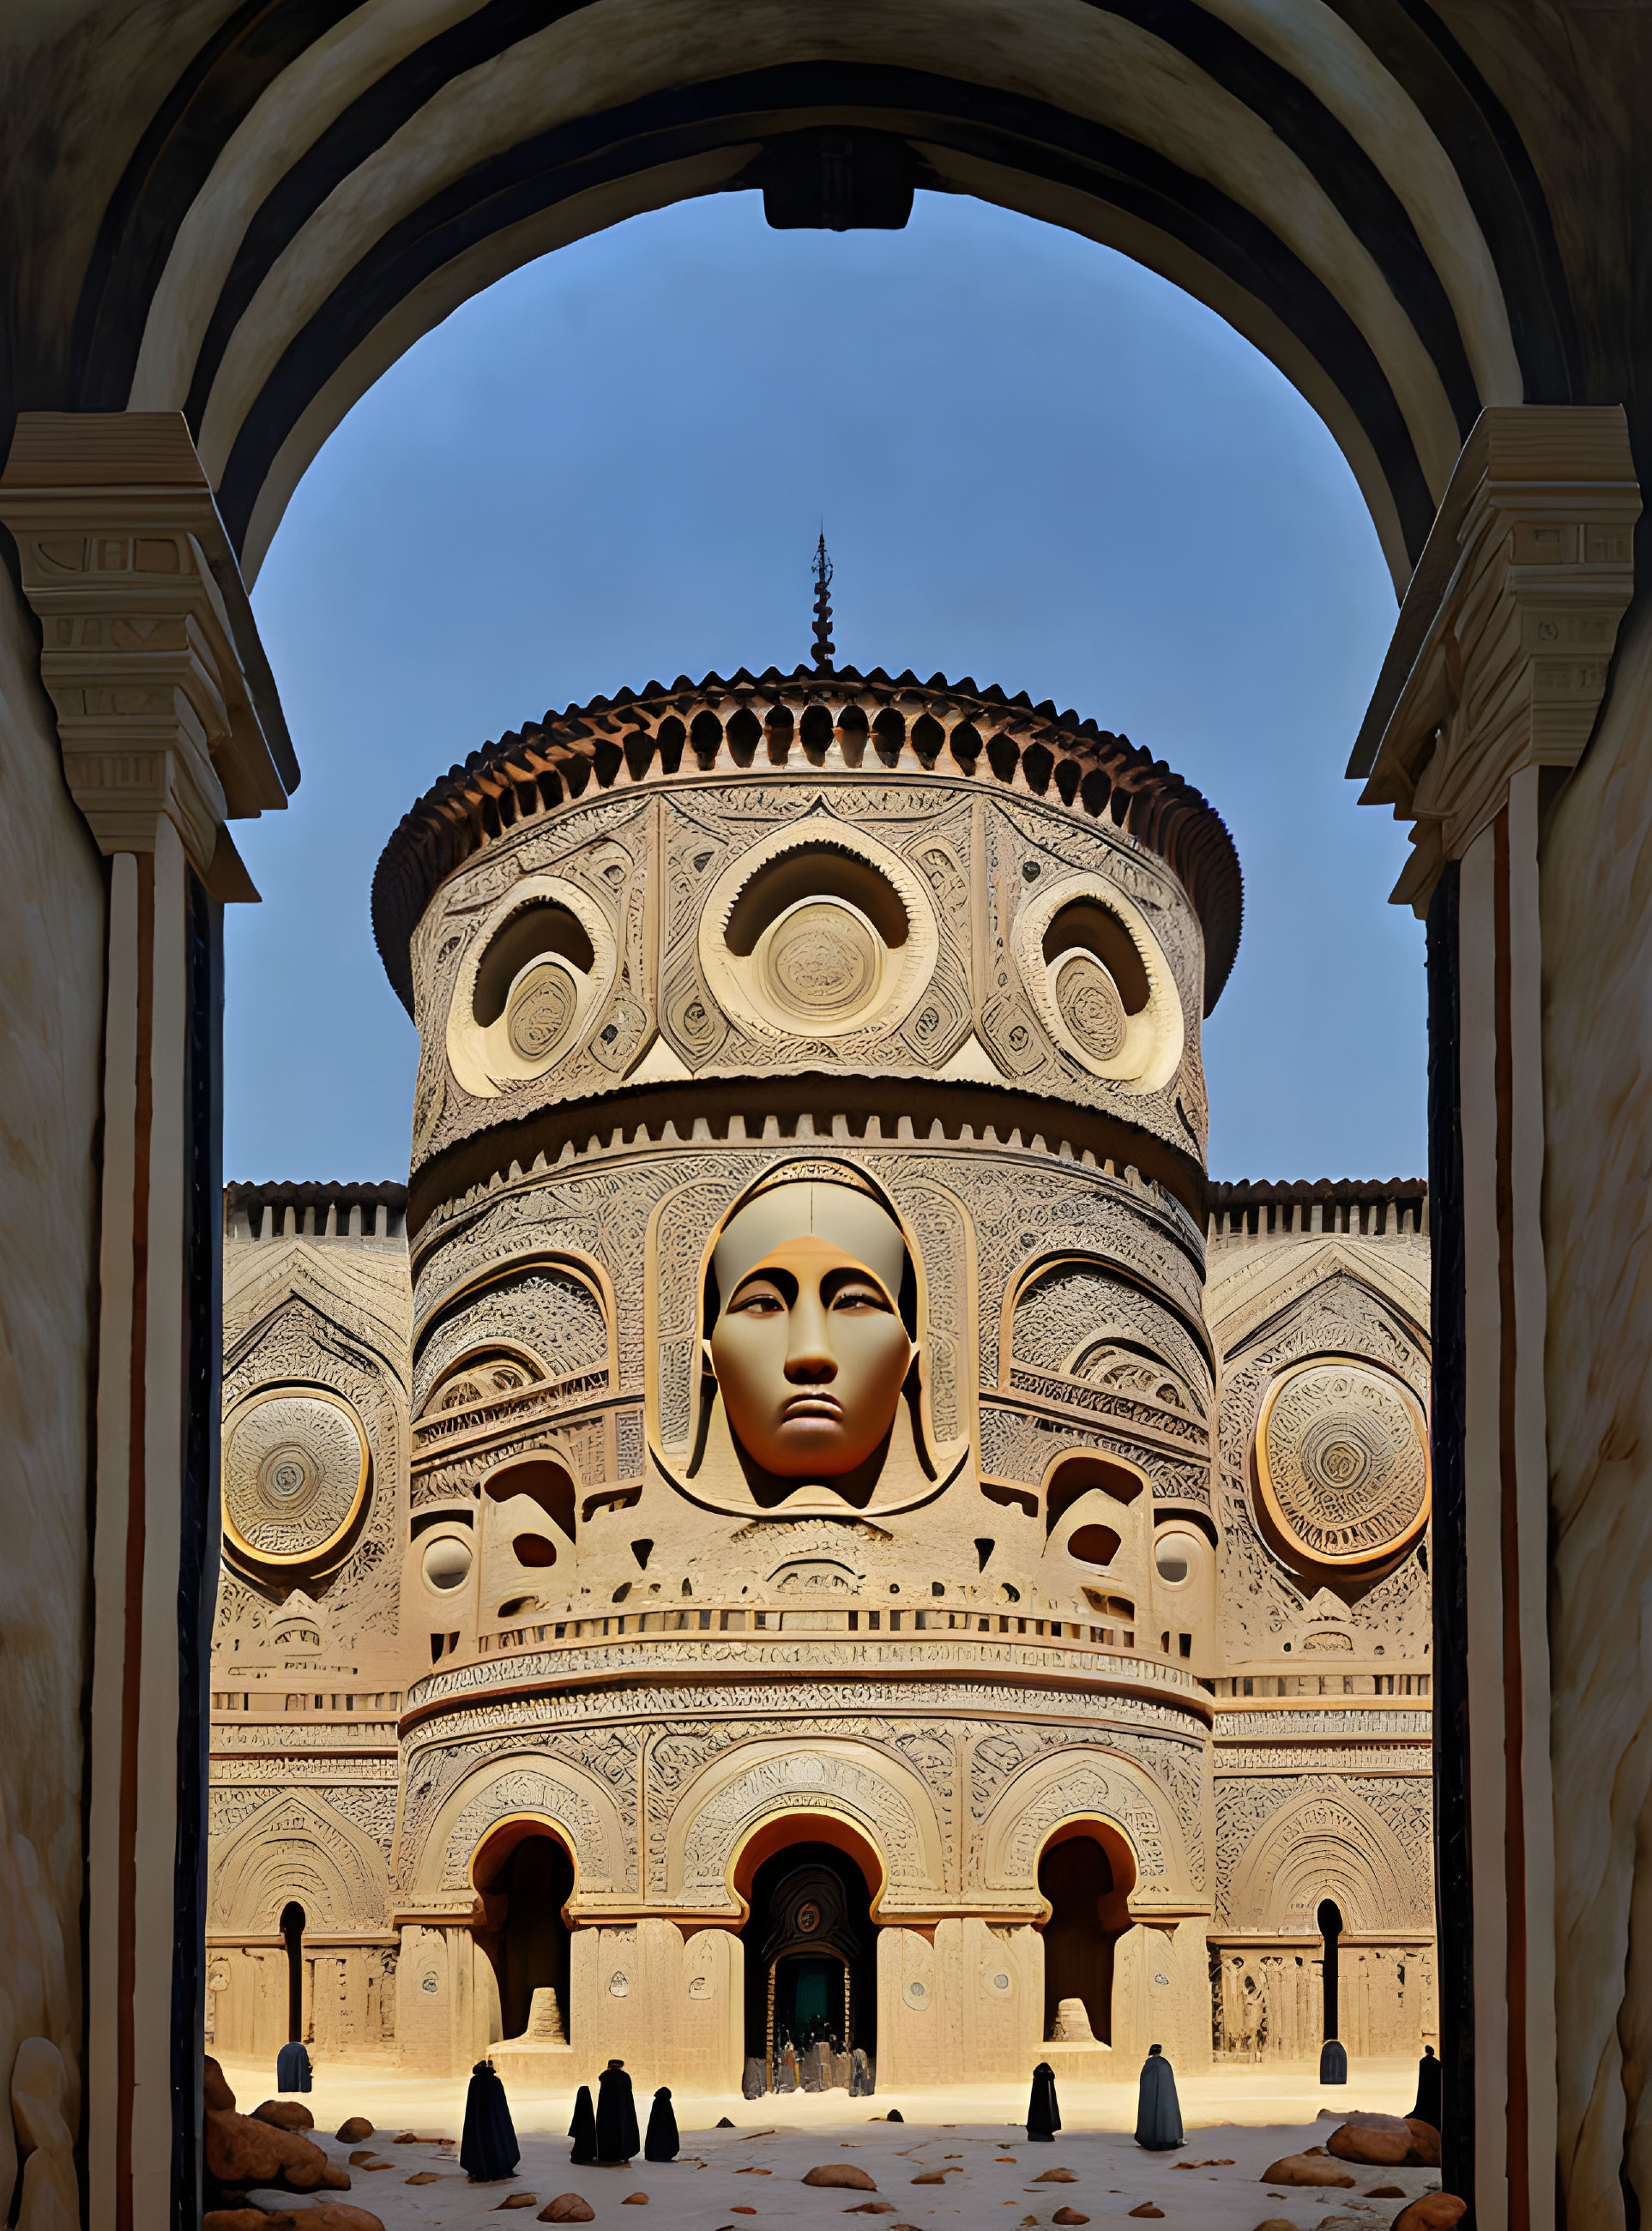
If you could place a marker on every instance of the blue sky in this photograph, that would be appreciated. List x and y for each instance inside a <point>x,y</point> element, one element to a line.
<point>1037,463</point>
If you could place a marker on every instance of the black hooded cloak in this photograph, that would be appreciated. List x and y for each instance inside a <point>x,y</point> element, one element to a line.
<point>292,2068</point>
<point>1043,2116</point>
<point>1429,2105</point>
<point>617,2138</point>
<point>1158,2111</point>
<point>488,2150</point>
<point>661,2143</point>
<point>583,2128</point>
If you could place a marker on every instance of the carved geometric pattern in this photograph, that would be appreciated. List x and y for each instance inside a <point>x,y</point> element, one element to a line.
<point>1086,1787</point>
<point>1342,1462</point>
<point>295,1467</point>
<point>1286,1844</point>
<point>292,1847</point>
<point>529,1789</point>
<point>540,1307</point>
<point>800,1780</point>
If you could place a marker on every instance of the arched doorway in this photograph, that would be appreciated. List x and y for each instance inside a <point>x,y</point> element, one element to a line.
<point>524,1874</point>
<point>292,1933</point>
<point>811,1965</point>
<point>1086,1872</point>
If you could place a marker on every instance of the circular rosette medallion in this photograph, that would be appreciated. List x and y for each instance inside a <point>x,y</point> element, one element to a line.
<point>1087,1000</point>
<point>1342,1461</point>
<point>822,960</point>
<point>296,1470</point>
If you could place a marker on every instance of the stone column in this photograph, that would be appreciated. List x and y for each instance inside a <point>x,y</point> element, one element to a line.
<point>169,728</point>
<point>1487,700</point>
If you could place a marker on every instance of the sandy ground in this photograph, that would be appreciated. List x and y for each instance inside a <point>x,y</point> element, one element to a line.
<point>1238,2120</point>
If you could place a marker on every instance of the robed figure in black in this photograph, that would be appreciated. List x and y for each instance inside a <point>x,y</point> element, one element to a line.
<point>617,2139</point>
<point>293,2068</point>
<point>583,2128</point>
<point>1158,2111</point>
<point>1428,2105</point>
<point>489,2149</point>
<point>1043,2116</point>
<point>661,2143</point>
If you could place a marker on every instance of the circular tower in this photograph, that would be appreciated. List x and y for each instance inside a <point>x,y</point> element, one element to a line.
<point>805,1217</point>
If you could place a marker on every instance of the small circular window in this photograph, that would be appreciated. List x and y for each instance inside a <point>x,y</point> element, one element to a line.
<point>1173,1556</point>
<point>447,1562</point>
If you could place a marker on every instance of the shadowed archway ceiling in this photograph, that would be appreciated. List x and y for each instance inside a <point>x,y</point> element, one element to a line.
<point>319,182</point>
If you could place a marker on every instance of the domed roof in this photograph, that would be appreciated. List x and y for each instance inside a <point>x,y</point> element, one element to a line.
<point>832,718</point>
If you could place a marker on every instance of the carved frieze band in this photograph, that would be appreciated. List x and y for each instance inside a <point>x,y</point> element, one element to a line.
<point>1500,657</point>
<point>165,706</point>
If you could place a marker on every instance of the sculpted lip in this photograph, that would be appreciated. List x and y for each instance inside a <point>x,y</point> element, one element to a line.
<point>814,1405</point>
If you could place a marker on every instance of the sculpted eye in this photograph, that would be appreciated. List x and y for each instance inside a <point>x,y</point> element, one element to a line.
<point>860,1295</point>
<point>760,1299</point>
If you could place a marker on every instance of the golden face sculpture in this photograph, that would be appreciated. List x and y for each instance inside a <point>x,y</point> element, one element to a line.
<point>811,1356</point>
<point>808,1348</point>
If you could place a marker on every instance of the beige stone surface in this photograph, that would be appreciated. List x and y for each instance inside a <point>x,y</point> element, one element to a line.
<point>51,925</point>
<point>1598,955</point>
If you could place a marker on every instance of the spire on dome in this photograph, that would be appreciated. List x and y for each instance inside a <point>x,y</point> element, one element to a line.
<point>823,644</point>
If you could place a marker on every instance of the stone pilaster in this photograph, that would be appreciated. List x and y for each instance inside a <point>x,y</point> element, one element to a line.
<point>169,728</point>
<point>1488,696</point>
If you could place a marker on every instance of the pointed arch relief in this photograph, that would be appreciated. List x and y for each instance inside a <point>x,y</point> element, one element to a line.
<point>294,1849</point>
<point>564,1800</point>
<point>1328,1845</point>
<point>880,1803</point>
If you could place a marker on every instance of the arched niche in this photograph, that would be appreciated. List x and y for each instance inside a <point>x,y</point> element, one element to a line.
<point>524,1872</point>
<point>1087,1871</point>
<point>1086,1472</point>
<point>544,1481</point>
<point>779,1833</point>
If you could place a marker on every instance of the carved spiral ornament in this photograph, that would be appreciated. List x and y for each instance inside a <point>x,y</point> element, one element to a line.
<point>1342,1462</point>
<point>296,1470</point>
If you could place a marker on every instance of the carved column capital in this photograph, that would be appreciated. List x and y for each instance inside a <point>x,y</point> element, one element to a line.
<point>1505,635</point>
<point>165,706</point>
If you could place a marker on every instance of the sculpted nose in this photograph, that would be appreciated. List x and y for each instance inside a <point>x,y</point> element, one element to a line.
<point>809,1360</point>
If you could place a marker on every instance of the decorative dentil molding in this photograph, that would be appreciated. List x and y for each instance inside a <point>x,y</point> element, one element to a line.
<point>1499,659</point>
<point>166,706</point>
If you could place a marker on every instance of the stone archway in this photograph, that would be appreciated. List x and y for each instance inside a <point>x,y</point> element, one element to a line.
<point>302,209</point>
<point>809,1884</point>
<point>249,214</point>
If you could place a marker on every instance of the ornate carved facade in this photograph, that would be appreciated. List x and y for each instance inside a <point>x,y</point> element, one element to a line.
<point>1087,1678</point>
